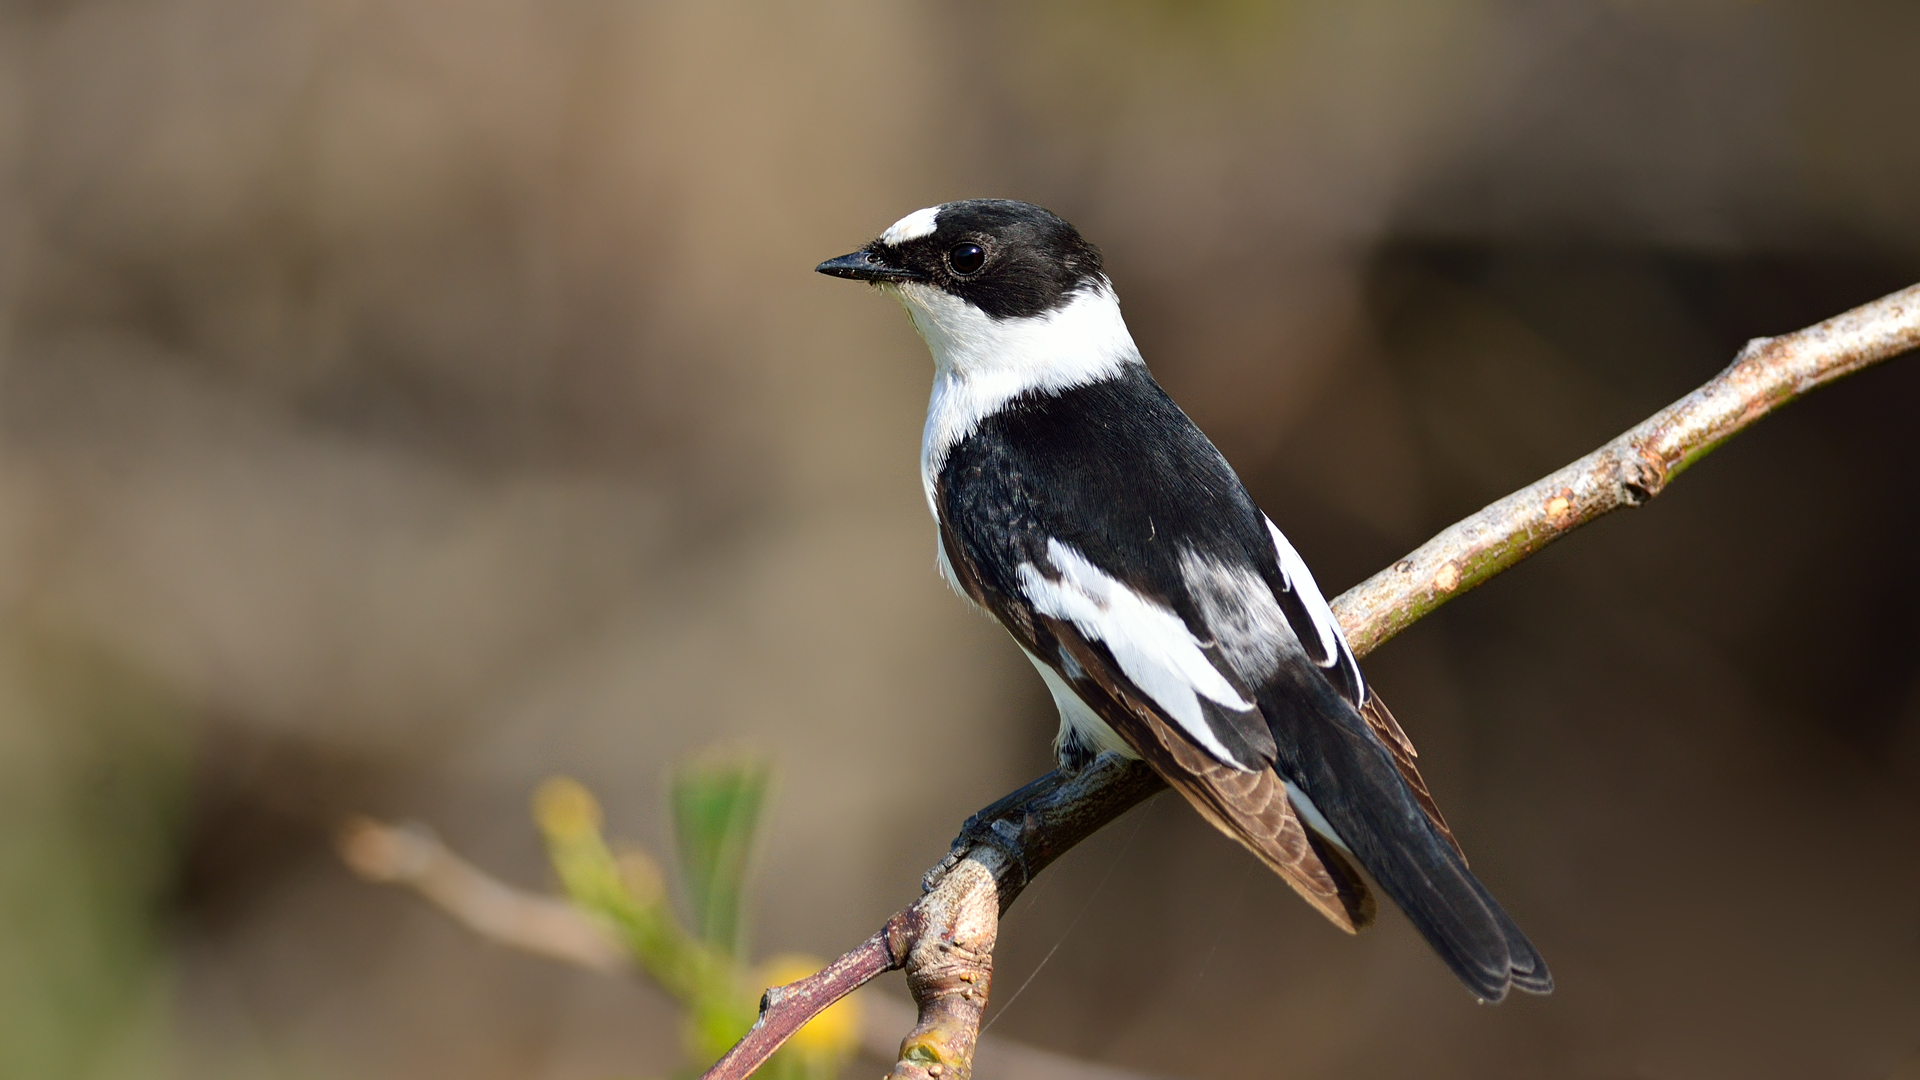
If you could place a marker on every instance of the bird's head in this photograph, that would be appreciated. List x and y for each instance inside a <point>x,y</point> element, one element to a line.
<point>985,276</point>
<point>1009,259</point>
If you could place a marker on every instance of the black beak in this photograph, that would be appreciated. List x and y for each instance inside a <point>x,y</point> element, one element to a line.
<point>864,265</point>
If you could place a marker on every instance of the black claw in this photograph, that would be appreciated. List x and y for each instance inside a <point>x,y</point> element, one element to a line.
<point>999,826</point>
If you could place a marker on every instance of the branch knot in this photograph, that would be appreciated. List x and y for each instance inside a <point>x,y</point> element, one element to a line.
<point>1640,477</point>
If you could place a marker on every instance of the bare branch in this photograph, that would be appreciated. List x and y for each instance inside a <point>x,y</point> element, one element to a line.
<point>1768,373</point>
<point>412,856</point>
<point>1003,1059</point>
<point>945,940</point>
<point>1001,843</point>
<point>784,1010</point>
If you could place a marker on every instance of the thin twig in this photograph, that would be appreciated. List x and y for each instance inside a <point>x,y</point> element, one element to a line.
<point>950,931</point>
<point>410,855</point>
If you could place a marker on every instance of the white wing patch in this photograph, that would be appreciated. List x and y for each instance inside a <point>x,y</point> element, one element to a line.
<point>1152,645</point>
<point>912,227</point>
<point>1333,644</point>
<point>1241,615</point>
<point>1300,580</point>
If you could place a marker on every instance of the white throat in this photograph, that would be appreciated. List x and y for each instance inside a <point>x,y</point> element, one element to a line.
<point>980,363</point>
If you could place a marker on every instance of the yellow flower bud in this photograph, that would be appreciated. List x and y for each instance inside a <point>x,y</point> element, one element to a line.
<point>565,809</point>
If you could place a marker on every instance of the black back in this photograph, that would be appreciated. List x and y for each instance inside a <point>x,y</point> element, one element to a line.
<point>1112,468</point>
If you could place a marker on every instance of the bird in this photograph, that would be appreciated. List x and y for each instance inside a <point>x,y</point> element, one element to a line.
<point>1169,618</point>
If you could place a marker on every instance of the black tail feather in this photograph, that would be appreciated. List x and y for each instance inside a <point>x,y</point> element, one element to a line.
<point>1352,781</point>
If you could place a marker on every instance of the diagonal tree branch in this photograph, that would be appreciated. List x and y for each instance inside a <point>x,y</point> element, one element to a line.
<point>1768,373</point>
<point>945,939</point>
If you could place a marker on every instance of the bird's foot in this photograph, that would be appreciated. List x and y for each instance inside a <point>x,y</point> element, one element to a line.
<point>998,826</point>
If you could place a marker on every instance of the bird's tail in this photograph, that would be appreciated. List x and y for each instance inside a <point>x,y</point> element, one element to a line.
<point>1354,785</point>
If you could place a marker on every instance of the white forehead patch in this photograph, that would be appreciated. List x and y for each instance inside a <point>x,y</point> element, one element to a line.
<point>912,227</point>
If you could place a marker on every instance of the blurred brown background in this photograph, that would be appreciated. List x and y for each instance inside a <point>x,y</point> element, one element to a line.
<point>403,401</point>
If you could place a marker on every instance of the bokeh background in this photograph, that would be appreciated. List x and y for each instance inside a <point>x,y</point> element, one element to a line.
<point>405,400</point>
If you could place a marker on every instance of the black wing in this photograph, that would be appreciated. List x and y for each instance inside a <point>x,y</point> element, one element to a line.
<point>1104,508</point>
<point>1110,536</point>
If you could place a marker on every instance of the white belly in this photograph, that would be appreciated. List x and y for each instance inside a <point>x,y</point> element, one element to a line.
<point>1076,717</point>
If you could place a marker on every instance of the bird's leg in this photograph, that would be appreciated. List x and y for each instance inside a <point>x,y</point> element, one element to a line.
<point>995,825</point>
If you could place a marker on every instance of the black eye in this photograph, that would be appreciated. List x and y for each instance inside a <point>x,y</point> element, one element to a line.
<point>966,258</point>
